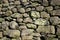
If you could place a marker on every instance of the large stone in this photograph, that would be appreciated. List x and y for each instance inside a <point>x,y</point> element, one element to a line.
<point>46,29</point>
<point>2,19</point>
<point>1,34</point>
<point>55,20</point>
<point>13,33</point>
<point>55,2</point>
<point>41,21</point>
<point>55,12</point>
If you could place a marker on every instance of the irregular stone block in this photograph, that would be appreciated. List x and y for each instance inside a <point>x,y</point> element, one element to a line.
<point>46,29</point>
<point>55,2</point>
<point>13,33</point>
<point>41,21</point>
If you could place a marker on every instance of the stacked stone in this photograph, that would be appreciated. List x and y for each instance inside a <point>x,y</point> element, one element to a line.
<point>29,19</point>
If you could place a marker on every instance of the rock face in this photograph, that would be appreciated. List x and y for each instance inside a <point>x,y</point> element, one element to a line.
<point>29,19</point>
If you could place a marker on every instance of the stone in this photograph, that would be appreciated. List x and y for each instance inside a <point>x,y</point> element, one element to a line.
<point>8,13</point>
<point>1,34</point>
<point>2,19</point>
<point>28,9</point>
<point>36,34</point>
<point>24,1</point>
<point>13,33</point>
<point>55,20</point>
<point>26,15</point>
<point>35,14</point>
<point>46,29</point>
<point>45,15</point>
<point>55,2</point>
<point>41,21</point>
<point>33,26</point>
<point>39,8</point>
<point>56,12</point>
<point>22,27</point>
<point>27,20</point>
<point>22,10</point>
<point>17,2</point>
<point>16,15</point>
<point>13,25</point>
<point>19,20</point>
<point>27,38</point>
<point>48,38</point>
<point>27,32</point>
<point>58,33</point>
<point>14,10</point>
<point>49,8</point>
<point>45,3</point>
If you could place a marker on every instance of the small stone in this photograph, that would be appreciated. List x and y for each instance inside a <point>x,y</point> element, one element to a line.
<point>17,2</point>
<point>45,3</point>
<point>39,8</point>
<point>41,21</point>
<point>2,19</point>
<point>55,2</point>
<point>8,13</point>
<point>50,8</point>
<point>24,1</point>
<point>55,20</point>
<point>1,34</point>
<point>27,38</point>
<point>19,20</point>
<point>33,26</point>
<point>10,0</point>
<point>21,10</point>
<point>48,38</point>
<point>13,33</point>
<point>26,15</point>
<point>16,15</point>
<point>27,32</point>
<point>45,15</point>
<point>13,25</point>
<point>23,27</point>
<point>14,10</point>
<point>28,9</point>
<point>35,14</point>
<point>27,20</point>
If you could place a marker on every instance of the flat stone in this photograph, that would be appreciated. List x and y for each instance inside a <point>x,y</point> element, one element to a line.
<point>56,12</point>
<point>41,21</point>
<point>13,33</point>
<point>33,26</point>
<point>55,2</point>
<point>46,29</point>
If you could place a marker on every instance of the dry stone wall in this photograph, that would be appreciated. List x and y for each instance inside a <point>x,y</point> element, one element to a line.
<point>29,19</point>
